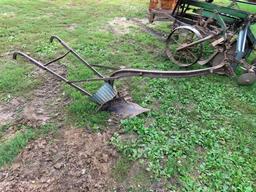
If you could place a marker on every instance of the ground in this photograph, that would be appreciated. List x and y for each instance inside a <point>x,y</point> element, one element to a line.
<point>199,135</point>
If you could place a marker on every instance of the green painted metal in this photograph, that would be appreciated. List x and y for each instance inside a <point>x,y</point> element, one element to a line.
<point>226,19</point>
<point>223,10</point>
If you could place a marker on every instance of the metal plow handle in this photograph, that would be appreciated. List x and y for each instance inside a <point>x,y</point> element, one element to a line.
<point>107,97</point>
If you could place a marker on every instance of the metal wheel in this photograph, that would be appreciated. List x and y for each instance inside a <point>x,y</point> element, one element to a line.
<point>180,37</point>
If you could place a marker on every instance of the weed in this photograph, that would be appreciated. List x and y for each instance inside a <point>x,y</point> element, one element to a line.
<point>121,169</point>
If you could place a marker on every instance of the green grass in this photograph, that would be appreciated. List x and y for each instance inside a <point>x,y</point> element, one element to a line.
<point>15,79</point>
<point>200,133</point>
<point>121,169</point>
<point>203,132</point>
<point>11,147</point>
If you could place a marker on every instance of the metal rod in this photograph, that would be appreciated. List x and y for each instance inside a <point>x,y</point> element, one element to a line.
<point>245,2</point>
<point>75,54</point>
<point>40,65</point>
<point>209,59</point>
<point>107,67</point>
<point>166,74</point>
<point>196,42</point>
<point>94,79</point>
<point>57,59</point>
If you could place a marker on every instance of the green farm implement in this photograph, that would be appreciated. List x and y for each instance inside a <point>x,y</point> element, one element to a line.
<point>208,34</point>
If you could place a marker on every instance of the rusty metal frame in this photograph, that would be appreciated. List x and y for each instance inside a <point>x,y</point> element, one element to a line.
<point>44,67</point>
<point>117,72</point>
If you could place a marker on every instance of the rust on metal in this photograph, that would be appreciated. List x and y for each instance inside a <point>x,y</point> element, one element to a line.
<point>162,4</point>
<point>203,33</point>
<point>159,8</point>
<point>107,97</point>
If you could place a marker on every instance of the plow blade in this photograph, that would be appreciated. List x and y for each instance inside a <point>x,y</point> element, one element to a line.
<point>124,109</point>
<point>109,100</point>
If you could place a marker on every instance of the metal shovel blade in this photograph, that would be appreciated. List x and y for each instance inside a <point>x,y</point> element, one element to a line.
<point>124,109</point>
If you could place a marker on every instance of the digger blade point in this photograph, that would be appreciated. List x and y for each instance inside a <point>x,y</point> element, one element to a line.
<point>124,109</point>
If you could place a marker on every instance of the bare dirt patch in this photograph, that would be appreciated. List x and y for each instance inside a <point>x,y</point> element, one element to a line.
<point>72,27</point>
<point>137,177</point>
<point>43,105</point>
<point>47,101</point>
<point>70,160</point>
<point>74,161</point>
<point>8,111</point>
<point>121,25</point>
<point>5,116</point>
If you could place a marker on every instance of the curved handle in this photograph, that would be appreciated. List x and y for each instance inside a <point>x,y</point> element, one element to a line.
<point>16,53</point>
<point>42,66</point>
<point>55,37</point>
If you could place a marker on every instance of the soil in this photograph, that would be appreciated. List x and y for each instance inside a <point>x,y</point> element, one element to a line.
<point>6,115</point>
<point>72,27</point>
<point>122,25</point>
<point>47,100</point>
<point>71,160</point>
<point>74,161</point>
<point>40,107</point>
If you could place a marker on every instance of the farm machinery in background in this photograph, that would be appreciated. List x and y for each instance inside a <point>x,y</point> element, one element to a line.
<point>208,34</point>
<point>216,38</point>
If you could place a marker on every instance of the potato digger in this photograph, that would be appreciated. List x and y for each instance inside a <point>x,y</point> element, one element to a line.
<point>207,34</point>
<point>216,38</point>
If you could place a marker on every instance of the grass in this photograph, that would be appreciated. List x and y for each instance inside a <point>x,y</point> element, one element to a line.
<point>121,169</point>
<point>201,136</point>
<point>200,133</point>
<point>15,79</point>
<point>11,147</point>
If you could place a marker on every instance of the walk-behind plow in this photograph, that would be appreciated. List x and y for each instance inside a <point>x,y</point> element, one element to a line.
<point>218,38</point>
<point>107,97</point>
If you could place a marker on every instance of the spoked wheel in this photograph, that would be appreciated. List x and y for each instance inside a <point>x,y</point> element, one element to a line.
<point>180,37</point>
<point>209,52</point>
